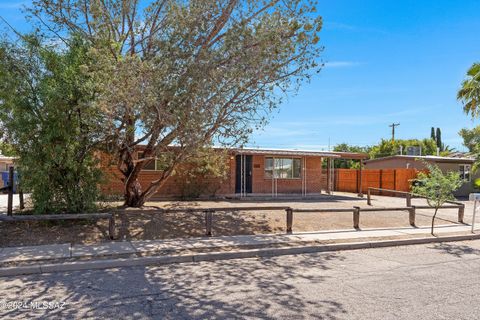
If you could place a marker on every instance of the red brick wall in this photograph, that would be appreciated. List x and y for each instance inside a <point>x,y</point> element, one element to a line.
<point>261,185</point>
<point>264,185</point>
<point>171,187</point>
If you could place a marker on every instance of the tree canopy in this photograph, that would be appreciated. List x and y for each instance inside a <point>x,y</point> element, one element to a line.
<point>49,121</point>
<point>185,73</point>
<point>469,93</point>
<point>437,187</point>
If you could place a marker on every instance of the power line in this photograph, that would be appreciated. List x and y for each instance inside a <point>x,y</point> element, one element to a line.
<point>393,125</point>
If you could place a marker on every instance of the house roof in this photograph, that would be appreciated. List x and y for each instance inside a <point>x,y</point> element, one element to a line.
<point>292,152</point>
<point>5,158</point>
<point>289,152</point>
<point>434,159</point>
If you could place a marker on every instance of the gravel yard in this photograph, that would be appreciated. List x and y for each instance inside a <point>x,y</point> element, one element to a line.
<point>143,224</point>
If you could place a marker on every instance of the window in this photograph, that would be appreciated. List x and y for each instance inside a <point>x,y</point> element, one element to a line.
<point>283,168</point>
<point>464,170</point>
<point>150,165</point>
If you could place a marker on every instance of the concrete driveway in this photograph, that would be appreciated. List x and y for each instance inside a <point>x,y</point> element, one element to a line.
<point>4,201</point>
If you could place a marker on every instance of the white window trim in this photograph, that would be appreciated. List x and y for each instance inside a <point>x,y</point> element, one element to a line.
<point>273,171</point>
<point>462,173</point>
<point>154,161</point>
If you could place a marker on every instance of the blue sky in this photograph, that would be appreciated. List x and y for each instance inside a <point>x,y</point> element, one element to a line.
<point>386,61</point>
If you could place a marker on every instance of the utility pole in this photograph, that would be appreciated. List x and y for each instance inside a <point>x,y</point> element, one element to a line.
<point>393,125</point>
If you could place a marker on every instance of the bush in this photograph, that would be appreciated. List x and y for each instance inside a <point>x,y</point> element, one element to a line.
<point>51,123</point>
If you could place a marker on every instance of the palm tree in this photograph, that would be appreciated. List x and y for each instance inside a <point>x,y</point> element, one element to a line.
<point>469,94</point>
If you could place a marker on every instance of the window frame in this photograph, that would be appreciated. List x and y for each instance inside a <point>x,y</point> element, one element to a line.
<point>140,155</point>
<point>273,168</point>
<point>462,172</point>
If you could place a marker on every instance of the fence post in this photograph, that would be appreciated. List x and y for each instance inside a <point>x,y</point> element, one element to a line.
<point>289,219</point>
<point>411,215</point>
<point>380,182</point>
<point>394,179</point>
<point>409,199</point>
<point>10,191</point>
<point>111,226</point>
<point>356,217</point>
<point>369,197</point>
<point>461,213</point>
<point>20,197</point>
<point>208,222</point>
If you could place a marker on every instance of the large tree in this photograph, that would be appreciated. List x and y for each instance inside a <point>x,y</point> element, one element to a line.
<point>471,138</point>
<point>386,148</point>
<point>469,93</point>
<point>48,118</point>
<point>186,74</point>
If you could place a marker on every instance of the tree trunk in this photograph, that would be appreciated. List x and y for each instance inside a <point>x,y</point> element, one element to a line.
<point>433,219</point>
<point>133,195</point>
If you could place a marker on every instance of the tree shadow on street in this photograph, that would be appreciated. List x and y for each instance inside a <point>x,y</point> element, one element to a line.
<point>276,287</point>
<point>456,250</point>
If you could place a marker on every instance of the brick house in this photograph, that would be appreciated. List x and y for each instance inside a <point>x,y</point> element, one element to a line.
<point>462,165</point>
<point>264,172</point>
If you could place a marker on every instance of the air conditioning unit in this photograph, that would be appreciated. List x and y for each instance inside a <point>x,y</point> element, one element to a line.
<point>474,197</point>
<point>414,151</point>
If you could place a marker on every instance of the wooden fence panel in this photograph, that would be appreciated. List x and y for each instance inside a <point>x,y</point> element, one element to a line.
<point>394,179</point>
<point>346,180</point>
<point>370,178</point>
<point>388,179</point>
<point>404,177</point>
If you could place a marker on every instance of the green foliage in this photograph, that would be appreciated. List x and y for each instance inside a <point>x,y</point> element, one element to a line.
<point>203,174</point>
<point>347,163</point>
<point>469,93</point>
<point>476,183</point>
<point>193,73</point>
<point>438,138</point>
<point>437,187</point>
<point>432,134</point>
<point>7,149</point>
<point>388,148</point>
<point>49,120</point>
<point>471,138</point>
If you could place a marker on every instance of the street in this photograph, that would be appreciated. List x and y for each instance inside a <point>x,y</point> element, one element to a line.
<point>433,281</point>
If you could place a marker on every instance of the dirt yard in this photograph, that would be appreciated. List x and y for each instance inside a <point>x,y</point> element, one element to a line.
<point>148,223</point>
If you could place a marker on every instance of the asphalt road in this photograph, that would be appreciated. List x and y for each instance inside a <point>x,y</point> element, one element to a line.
<point>435,281</point>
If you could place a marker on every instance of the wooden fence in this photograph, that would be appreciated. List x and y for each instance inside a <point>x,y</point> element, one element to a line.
<point>348,180</point>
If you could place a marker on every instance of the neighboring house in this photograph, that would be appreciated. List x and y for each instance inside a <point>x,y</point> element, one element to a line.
<point>5,163</point>
<point>257,172</point>
<point>461,165</point>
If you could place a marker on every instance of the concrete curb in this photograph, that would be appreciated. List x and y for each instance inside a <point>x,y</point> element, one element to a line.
<point>212,256</point>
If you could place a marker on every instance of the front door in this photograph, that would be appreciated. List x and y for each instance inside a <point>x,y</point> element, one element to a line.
<point>246,162</point>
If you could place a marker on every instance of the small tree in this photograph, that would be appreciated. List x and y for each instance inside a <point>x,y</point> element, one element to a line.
<point>437,187</point>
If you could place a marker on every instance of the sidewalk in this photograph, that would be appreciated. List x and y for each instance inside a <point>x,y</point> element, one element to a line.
<point>66,253</point>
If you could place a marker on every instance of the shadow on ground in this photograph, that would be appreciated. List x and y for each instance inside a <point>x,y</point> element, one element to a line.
<point>456,250</point>
<point>232,289</point>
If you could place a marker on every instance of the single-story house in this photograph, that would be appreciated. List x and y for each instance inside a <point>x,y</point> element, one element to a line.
<point>5,164</point>
<point>268,172</point>
<point>462,165</point>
